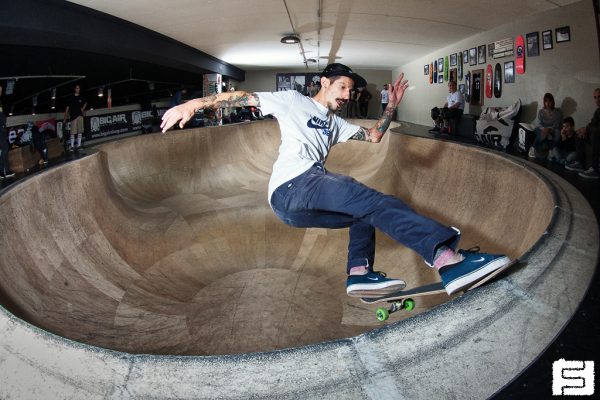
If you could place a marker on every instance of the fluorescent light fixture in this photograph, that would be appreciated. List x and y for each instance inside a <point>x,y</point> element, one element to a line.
<point>290,39</point>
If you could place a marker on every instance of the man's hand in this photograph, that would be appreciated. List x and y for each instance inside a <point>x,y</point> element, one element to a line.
<point>182,113</point>
<point>581,133</point>
<point>396,91</point>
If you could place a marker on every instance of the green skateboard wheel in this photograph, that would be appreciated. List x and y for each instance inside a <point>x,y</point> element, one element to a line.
<point>409,304</point>
<point>382,314</point>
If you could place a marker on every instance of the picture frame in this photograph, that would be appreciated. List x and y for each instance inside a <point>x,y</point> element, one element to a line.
<point>465,56</point>
<point>481,54</point>
<point>509,72</point>
<point>426,69</point>
<point>533,44</point>
<point>453,75</point>
<point>440,78</point>
<point>461,88</point>
<point>473,56</point>
<point>477,87</point>
<point>547,40</point>
<point>440,65</point>
<point>563,34</point>
<point>453,59</point>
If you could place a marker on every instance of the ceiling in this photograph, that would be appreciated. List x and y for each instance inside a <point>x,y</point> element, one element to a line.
<point>373,34</point>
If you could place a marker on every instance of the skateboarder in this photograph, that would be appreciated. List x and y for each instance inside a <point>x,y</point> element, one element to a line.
<point>303,193</point>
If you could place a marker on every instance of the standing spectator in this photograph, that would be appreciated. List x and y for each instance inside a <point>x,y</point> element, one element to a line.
<point>76,106</point>
<point>352,103</point>
<point>590,134</point>
<point>4,147</point>
<point>363,102</point>
<point>384,97</point>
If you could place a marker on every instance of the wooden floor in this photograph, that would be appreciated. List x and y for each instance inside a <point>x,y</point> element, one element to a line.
<point>166,244</point>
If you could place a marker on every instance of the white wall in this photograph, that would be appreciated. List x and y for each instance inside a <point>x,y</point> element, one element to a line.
<point>265,81</point>
<point>570,71</point>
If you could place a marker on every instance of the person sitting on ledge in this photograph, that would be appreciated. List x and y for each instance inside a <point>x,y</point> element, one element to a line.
<point>445,119</point>
<point>303,193</point>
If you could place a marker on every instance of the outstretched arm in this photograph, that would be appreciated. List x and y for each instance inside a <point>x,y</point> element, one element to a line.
<point>184,112</point>
<point>396,92</point>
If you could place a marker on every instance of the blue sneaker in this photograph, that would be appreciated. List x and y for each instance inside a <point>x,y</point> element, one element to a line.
<point>373,283</point>
<point>472,269</point>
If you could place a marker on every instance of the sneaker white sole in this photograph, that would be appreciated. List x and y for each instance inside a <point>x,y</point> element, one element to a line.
<point>475,276</point>
<point>375,289</point>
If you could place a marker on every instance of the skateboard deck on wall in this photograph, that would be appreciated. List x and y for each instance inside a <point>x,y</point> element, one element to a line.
<point>520,61</point>
<point>468,87</point>
<point>460,67</point>
<point>446,68</point>
<point>489,77</point>
<point>431,73</point>
<point>435,71</point>
<point>498,80</point>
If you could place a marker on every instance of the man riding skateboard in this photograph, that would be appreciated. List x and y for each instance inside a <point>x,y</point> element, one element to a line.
<point>302,193</point>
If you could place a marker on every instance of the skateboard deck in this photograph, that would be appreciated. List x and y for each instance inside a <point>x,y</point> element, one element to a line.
<point>489,77</point>
<point>431,73</point>
<point>435,71</point>
<point>520,60</point>
<point>468,87</point>
<point>460,67</point>
<point>446,68</point>
<point>403,299</point>
<point>498,80</point>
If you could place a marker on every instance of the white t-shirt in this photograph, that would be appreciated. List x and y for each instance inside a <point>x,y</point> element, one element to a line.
<point>308,130</point>
<point>385,96</point>
<point>454,98</point>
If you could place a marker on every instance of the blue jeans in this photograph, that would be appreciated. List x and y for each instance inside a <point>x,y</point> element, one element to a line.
<point>321,199</point>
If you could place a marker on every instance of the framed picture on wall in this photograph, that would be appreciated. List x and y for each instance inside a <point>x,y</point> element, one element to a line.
<point>563,34</point>
<point>533,44</point>
<point>509,72</point>
<point>453,75</point>
<point>426,69</point>
<point>465,56</point>
<point>461,88</point>
<point>440,65</point>
<point>473,56</point>
<point>440,78</point>
<point>453,59</point>
<point>477,88</point>
<point>481,54</point>
<point>547,40</point>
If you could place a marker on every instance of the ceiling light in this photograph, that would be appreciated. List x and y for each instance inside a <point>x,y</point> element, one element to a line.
<point>53,93</point>
<point>311,60</point>
<point>101,91</point>
<point>290,39</point>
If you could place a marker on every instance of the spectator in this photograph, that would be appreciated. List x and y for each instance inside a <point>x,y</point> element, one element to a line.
<point>451,112</point>
<point>548,127</point>
<point>76,106</point>
<point>588,135</point>
<point>564,151</point>
<point>384,97</point>
<point>363,102</point>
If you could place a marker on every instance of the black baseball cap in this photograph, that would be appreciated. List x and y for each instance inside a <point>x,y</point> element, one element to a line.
<point>337,69</point>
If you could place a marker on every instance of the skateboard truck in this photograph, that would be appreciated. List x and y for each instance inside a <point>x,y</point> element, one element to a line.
<point>383,313</point>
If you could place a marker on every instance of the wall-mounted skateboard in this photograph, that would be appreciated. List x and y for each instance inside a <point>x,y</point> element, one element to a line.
<point>404,299</point>
<point>446,68</point>
<point>435,71</point>
<point>431,73</point>
<point>497,80</point>
<point>489,76</point>
<point>520,60</point>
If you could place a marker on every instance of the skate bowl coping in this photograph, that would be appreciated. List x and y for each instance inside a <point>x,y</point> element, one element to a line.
<point>156,268</point>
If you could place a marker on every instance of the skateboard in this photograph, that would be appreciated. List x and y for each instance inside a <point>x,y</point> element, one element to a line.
<point>446,68</point>
<point>404,299</point>
<point>520,61</point>
<point>435,71</point>
<point>498,80</point>
<point>468,87</point>
<point>489,76</point>
<point>460,67</point>
<point>431,73</point>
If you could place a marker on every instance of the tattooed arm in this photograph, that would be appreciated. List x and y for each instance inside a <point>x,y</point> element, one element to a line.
<point>374,135</point>
<point>184,112</point>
